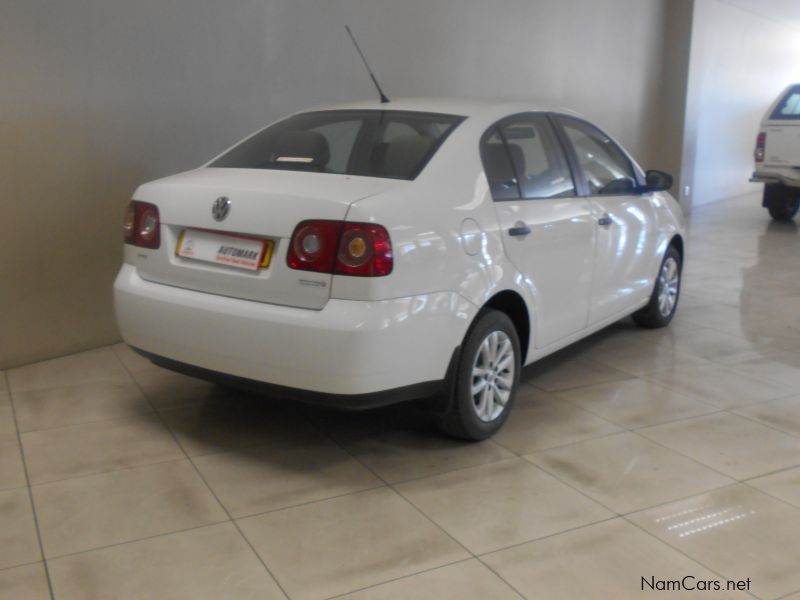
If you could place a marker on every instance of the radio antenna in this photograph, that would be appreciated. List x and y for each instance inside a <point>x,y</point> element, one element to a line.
<point>384,99</point>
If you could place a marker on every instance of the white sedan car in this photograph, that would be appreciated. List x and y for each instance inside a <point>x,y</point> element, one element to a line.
<point>369,253</point>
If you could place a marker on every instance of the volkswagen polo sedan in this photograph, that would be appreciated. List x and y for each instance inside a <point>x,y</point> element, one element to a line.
<point>368,253</point>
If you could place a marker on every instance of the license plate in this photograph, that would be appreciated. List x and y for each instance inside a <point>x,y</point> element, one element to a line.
<point>236,251</point>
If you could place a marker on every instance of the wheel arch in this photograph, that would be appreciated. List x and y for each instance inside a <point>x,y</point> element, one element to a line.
<point>677,242</point>
<point>513,305</point>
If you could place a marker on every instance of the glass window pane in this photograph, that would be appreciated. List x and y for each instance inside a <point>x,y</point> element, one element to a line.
<point>789,107</point>
<point>605,167</point>
<point>372,143</point>
<point>499,172</point>
<point>538,160</point>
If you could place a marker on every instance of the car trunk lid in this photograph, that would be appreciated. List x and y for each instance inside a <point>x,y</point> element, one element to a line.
<point>263,206</point>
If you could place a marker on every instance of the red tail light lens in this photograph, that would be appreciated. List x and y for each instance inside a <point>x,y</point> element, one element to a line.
<point>761,143</point>
<point>365,250</point>
<point>313,246</point>
<point>142,225</point>
<point>361,249</point>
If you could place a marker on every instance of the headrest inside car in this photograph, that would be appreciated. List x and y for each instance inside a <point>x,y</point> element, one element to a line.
<point>301,148</point>
<point>404,154</point>
<point>498,166</point>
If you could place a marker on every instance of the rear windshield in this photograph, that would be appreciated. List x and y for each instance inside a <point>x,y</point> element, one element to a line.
<point>789,107</point>
<point>374,143</point>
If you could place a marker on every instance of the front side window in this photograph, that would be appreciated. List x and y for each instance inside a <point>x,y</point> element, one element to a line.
<point>605,167</point>
<point>372,143</point>
<point>788,108</point>
<point>522,159</point>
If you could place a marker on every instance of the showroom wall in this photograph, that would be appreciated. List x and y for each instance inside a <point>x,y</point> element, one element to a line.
<point>741,59</point>
<point>98,96</point>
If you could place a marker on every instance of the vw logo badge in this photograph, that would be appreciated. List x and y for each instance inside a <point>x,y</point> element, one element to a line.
<point>221,208</point>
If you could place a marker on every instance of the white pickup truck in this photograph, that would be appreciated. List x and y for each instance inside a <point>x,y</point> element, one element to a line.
<point>777,155</point>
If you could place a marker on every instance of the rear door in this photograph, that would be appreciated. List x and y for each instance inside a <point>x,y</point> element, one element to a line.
<point>548,232</point>
<point>623,217</point>
<point>782,145</point>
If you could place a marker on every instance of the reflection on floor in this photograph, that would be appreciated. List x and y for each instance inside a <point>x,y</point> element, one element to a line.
<point>655,454</point>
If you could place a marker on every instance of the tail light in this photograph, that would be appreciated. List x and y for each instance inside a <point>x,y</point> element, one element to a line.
<point>761,143</point>
<point>361,249</point>
<point>142,225</point>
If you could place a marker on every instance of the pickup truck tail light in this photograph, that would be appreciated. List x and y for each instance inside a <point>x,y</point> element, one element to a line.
<point>341,248</point>
<point>761,143</point>
<point>142,225</point>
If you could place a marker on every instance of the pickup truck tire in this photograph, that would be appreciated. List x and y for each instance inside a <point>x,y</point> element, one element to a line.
<point>781,202</point>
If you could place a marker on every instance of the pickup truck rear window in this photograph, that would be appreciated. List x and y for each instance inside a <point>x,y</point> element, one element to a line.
<point>373,143</point>
<point>788,108</point>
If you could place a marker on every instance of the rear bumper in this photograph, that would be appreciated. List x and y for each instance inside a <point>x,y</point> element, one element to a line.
<point>791,179</point>
<point>349,348</point>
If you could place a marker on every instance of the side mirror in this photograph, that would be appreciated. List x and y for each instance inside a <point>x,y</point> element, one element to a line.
<point>658,181</point>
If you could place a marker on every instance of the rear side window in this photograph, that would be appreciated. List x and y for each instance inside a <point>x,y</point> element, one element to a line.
<point>523,159</point>
<point>788,108</point>
<point>372,143</point>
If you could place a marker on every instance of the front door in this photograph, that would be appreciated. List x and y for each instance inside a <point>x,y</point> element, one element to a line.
<point>548,232</point>
<point>626,227</point>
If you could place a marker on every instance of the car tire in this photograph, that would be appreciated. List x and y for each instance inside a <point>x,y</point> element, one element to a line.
<point>781,202</point>
<point>485,380</point>
<point>666,293</point>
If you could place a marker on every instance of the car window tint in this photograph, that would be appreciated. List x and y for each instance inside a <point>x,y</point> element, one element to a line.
<point>373,143</point>
<point>789,106</point>
<point>340,137</point>
<point>538,160</point>
<point>499,171</point>
<point>605,167</point>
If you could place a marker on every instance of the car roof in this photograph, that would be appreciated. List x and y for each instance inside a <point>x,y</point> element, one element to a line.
<point>466,107</point>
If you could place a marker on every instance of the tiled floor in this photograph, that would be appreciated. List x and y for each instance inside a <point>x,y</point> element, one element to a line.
<point>632,454</point>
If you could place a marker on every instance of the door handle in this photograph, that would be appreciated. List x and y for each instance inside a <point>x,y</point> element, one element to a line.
<point>521,229</point>
<point>605,220</point>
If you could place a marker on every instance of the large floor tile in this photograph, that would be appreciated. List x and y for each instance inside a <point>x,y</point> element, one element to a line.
<point>12,472</point>
<point>265,478</point>
<point>784,485</point>
<point>721,386</point>
<point>737,532</point>
<point>634,403</point>
<point>403,455</point>
<point>67,452</point>
<point>780,368</point>
<point>626,472</point>
<point>781,414</point>
<point>540,421</point>
<point>493,506</point>
<point>730,444</point>
<point>75,404</point>
<point>606,560</point>
<point>111,508</point>
<point>28,582</point>
<point>18,542</point>
<point>86,367</point>
<point>3,382</point>
<point>563,371</point>
<point>717,346</point>
<point>643,355</point>
<point>344,544</point>
<point>236,423</point>
<point>167,389</point>
<point>7,426</point>
<point>466,580</point>
<point>209,563</point>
